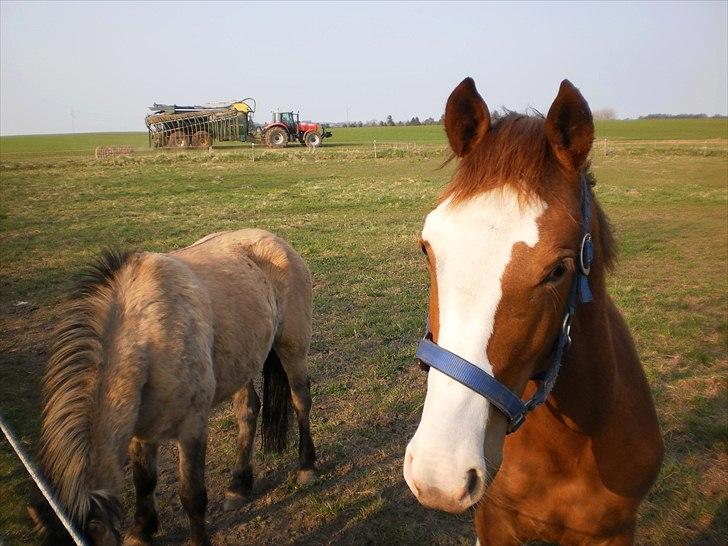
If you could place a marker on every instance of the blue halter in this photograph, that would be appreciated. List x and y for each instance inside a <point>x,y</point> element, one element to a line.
<point>511,405</point>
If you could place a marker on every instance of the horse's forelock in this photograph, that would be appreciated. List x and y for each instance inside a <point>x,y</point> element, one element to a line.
<point>515,152</point>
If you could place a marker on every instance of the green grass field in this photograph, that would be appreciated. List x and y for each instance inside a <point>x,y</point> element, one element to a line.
<point>84,143</point>
<point>355,220</point>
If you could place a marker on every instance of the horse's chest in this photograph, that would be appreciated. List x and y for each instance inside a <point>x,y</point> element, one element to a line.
<point>542,496</point>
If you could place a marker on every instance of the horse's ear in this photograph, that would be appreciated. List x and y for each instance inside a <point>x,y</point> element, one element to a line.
<point>467,118</point>
<point>569,127</point>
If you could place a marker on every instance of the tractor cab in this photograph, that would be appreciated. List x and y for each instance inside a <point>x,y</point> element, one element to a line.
<point>289,119</point>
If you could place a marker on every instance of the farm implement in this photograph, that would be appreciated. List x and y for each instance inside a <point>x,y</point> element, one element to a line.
<point>172,126</point>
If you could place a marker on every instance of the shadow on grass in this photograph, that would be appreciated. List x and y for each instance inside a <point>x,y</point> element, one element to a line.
<point>717,529</point>
<point>360,497</point>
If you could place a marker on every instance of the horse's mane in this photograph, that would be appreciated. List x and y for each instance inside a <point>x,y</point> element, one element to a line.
<point>515,151</point>
<point>70,389</point>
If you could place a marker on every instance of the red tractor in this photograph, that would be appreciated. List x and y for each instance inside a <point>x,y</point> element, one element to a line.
<point>286,127</point>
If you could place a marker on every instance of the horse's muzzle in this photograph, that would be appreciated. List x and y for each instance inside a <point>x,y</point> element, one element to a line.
<point>455,494</point>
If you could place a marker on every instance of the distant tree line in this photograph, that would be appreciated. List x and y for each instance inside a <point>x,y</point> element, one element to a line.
<point>389,122</point>
<point>682,116</point>
<point>600,114</point>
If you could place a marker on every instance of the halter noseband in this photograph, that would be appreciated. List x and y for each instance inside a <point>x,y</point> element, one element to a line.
<point>511,405</point>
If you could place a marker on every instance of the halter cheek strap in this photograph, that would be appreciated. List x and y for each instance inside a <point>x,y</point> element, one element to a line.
<point>476,379</point>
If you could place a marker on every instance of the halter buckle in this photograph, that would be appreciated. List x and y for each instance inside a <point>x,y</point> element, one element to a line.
<point>516,422</point>
<point>586,254</point>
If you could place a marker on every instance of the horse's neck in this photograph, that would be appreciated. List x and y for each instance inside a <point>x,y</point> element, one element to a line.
<point>113,424</point>
<point>585,389</point>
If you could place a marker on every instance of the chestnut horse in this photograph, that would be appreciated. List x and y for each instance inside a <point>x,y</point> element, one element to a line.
<point>517,249</point>
<point>148,345</point>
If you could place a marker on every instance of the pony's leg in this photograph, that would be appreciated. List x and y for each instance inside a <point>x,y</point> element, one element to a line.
<point>294,363</point>
<point>246,405</point>
<point>144,469</point>
<point>193,494</point>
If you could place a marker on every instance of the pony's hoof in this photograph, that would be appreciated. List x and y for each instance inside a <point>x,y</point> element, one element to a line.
<point>306,476</point>
<point>233,501</point>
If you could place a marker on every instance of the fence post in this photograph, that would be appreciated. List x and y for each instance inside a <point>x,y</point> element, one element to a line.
<point>605,146</point>
<point>375,149</point>
<point>252,150</point>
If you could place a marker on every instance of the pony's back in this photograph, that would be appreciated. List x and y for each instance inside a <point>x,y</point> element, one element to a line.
<point>257,282</point>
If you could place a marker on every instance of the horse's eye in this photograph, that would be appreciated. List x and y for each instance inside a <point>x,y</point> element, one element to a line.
<point>557,273</point>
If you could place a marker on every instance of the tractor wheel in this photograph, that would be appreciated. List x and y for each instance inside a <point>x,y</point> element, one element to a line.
<point>312,140</point>
<point>201,139</point>
<point>276,137</point>
<point>177,140</point>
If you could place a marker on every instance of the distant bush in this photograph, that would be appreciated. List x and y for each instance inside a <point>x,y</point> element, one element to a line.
<point>604,113</point>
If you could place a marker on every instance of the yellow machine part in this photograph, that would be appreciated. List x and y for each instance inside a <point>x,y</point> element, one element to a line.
<point>241,107</point>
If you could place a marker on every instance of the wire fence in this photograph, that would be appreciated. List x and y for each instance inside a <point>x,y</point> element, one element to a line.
<point>373,150</point>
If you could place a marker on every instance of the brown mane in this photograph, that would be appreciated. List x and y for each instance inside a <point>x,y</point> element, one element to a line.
<point>68,389</point>
<point>516,152</point>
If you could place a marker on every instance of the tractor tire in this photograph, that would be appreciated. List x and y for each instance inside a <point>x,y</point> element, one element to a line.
<point>312,140</point>
<point>201,139</point>
<point>178,140</point>
<point>275,138</point>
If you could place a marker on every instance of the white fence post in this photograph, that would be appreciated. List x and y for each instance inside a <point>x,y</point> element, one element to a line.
<point>375,149</point>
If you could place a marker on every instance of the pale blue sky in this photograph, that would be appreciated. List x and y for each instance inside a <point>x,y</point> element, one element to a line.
<point>107,62</point>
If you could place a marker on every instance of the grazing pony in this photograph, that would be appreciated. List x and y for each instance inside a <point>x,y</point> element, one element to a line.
<point>517,251</point>
<point>147,346</point>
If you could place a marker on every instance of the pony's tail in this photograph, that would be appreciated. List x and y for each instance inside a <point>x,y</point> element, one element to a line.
<point>276,405</point>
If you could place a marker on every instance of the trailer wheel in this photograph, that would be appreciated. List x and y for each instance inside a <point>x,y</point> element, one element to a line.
<point>201,139</point>
<point>158,140</point>
<point>177,140</point>
<point>312,139</point>
<point>276,137</point>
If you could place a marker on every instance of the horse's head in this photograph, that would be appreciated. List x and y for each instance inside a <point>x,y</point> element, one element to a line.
<point>102,525</point>
<point>501,249</point>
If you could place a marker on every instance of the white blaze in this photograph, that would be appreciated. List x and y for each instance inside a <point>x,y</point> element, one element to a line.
<point>471,244</point>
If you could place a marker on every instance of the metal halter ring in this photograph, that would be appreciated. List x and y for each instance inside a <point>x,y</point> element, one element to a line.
<point>584,262</point>
<point>566,330</point>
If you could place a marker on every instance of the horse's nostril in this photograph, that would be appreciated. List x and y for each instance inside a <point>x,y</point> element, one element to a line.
<point>473,481</point>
